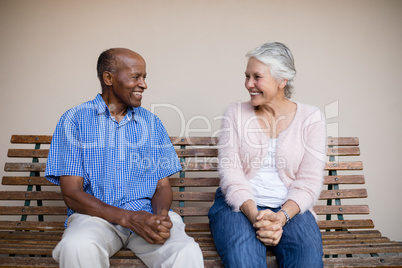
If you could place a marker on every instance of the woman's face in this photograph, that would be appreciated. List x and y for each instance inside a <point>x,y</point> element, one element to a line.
<point>263,88</point>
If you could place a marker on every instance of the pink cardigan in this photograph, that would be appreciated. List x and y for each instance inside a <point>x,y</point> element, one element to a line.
<point>300,155</point>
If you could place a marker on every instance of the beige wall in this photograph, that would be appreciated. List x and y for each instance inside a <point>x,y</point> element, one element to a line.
<point>348,56</point>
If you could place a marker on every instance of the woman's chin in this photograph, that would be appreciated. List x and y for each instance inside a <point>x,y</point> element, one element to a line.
<point>255,103</point>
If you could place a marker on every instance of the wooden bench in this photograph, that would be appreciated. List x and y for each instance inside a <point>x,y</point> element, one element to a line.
<point>32,211</point>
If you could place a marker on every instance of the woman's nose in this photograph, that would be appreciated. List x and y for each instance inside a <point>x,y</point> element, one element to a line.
<point>249,83</point>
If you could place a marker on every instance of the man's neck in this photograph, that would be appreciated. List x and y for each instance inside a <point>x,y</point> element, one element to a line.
<point>117,110</point>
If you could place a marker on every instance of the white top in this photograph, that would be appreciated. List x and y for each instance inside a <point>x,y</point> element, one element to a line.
<point>268,189</point>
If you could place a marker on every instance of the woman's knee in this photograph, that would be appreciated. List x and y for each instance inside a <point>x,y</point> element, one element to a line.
<point>301,243</point>
<point>300,257</point>
<point>235,240</point>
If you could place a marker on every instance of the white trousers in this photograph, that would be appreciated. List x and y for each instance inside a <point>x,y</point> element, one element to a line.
<point>90,242</point>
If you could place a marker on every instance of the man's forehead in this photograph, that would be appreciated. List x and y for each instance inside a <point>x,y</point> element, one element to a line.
<point>130,60</point>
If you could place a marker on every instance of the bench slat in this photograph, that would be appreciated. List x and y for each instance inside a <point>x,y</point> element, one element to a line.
<point>328,249</point>
<point>352,165</point>
<point>200,152</point>
<point>213,166</point>
<point>43,153</point>
<point>344,179</point>
<point>355,240</point>
<point>32,225</point>
<point>197,152</point>
<point>206,240</point>
<point>322,224</point>
<point>31,139</point>
<point>191,211</point>
<point>36,195</point>
<point>326,194</point>
<point>26,180</point>
<point>21,167</point>
<point>193,196</point>
<point>368,248</point>
<point>31,236</point>
<point>200,166</point>
<point>24,210</point>
<point>351,234</point>
<point>40,262</point>
<point>343,141</point>
<point>193,141</point>
<point>188,166</point>
<point>383,261</point>
<point>360,235</point>
<point>190,227</point>
<point>40,153</point>
<point>342,194</point>
<point>345,224</point>
<point>46,139</point>
<point>320,210</point>
<point>195,182</point>
<point>343,151</point>
<point>345,209</point>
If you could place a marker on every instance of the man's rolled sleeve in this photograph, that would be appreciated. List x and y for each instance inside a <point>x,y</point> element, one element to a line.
<point>65,154</point>
<point>169,163</point>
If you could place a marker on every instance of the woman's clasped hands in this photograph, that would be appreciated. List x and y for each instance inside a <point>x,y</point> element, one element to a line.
<point>268,227</point>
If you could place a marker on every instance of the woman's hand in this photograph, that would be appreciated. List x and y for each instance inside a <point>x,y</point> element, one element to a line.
<point>269,227</point>
<point>250,210</point>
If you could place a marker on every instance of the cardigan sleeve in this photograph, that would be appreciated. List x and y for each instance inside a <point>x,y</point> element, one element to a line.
<point>306,188</point>
<point>233,182</point>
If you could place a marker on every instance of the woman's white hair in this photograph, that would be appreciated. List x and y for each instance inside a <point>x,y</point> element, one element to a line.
<point>279,59</point>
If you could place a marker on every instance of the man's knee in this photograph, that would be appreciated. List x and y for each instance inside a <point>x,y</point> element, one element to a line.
<point>73,247</point>
<point>188,254</point>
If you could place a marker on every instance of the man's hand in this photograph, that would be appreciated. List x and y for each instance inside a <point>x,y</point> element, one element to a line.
<point>269,227</point>
<point>155,229</point>
<point>165,226</point>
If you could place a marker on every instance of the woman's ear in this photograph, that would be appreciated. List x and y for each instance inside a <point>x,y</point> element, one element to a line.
<point>107,78</point>
<point>283,83</point>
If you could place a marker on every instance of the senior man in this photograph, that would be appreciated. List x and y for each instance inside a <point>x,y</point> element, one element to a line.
<point>112,159</point>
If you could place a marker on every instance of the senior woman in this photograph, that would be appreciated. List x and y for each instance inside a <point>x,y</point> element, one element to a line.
<point>271,160</point>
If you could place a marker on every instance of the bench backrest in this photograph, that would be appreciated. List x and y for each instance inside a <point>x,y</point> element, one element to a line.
<point>37,204</point>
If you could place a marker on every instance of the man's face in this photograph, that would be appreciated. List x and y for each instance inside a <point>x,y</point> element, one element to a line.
<point>128,81</point>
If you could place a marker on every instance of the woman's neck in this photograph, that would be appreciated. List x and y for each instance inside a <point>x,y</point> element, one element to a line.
<point>276,108</point>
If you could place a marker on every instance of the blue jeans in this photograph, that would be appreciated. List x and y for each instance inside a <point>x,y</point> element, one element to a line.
<point>236,242</point>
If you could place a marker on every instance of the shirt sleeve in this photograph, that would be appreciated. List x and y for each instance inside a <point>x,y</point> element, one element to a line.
<point>306,189</point>
<point>168,162</point>
<point>65,153</point>
<point>233,182</point>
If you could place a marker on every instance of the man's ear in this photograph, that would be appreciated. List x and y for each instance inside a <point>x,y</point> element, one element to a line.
<point>107,78</point>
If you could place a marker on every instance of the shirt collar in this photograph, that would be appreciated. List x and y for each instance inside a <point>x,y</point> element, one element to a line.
<point>101,107</point>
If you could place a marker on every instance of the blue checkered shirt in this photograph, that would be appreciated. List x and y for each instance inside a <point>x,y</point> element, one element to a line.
<point>121,163</point>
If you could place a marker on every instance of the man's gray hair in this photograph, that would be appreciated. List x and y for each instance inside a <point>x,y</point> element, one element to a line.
<point>279,59</point>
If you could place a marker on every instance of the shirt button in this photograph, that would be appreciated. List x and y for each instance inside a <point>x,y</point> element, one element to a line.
<point>118,168</point>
